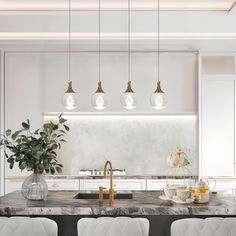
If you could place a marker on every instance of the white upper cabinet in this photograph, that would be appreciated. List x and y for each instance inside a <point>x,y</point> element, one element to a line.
<point>42,78</point>
<point>217,117</point>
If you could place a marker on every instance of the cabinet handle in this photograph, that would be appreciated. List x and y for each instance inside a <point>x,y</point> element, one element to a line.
<point>55,185</point>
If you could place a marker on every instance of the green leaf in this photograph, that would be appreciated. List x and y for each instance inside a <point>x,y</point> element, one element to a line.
<point>25,125</point>
<point>52,170</point>
<point>22,166</point>
<point>54,146</point>
<point>62,120</point>
<point>14,136</point>
<point>66,127</point>
<point>58,169</point>
<point>54,136</point>
<point>10,160</point>
<point>55,127</point>
<point>36,131</point>
<point>8,132</point>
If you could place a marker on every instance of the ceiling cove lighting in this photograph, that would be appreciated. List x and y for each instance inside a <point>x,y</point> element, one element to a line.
<point>70,99</point>
<point>157,99</point>
<point>128,98</point>
<point>116,5</point>
<point>99,101</point>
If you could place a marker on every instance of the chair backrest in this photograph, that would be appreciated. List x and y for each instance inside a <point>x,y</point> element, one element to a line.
<point>25,226</point>
<point>113,226</point>
<point>214,226</point>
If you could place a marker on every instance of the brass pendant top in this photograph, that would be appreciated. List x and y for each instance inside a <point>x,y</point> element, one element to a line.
<point>70,89</point>
<point>129,89</point>
<point>158,89</point>
<point>99,89</point>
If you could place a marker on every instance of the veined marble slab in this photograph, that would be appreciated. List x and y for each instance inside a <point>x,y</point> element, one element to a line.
<point>143,203</point>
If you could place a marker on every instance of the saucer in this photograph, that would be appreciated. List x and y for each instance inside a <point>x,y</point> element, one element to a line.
<point>178,201</point>
<point>163,197</point>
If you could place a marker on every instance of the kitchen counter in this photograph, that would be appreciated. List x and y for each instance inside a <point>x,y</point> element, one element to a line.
<point>69,177</point>
<point>143,203</point>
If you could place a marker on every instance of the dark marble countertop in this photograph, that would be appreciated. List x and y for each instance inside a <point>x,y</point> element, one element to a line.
<point>143,203</point>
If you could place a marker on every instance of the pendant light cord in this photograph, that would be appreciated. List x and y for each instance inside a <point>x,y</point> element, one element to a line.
<point>129,72</point>
<point>158,38</point>
<point>99,41</point>
<point>69,48</point>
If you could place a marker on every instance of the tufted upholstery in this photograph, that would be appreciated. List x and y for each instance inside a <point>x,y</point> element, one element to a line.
<point>204,227</point>
<point>24,226</point>
<point>109,226</point>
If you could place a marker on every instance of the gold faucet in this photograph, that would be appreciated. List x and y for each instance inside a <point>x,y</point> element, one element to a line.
<point>111,190</point>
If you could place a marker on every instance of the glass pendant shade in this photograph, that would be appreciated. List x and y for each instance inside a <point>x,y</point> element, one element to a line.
<point>158,100</point>
<point>99,101</point>
<point>70,99</point>
<point>128,98</point>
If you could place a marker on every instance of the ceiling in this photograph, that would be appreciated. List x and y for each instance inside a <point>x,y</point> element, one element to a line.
<point>184,24</point>
<point>203,5</point>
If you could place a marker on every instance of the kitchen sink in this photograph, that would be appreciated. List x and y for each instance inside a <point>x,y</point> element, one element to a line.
<point>119,195</point>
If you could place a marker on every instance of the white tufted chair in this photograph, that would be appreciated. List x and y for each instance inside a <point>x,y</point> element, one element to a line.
<point>109,226</point>
<point>204,227</point>
<point>24,226</point>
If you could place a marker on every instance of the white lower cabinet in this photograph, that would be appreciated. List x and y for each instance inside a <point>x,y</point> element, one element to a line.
<point>119,184</point>
<point>63,184</point>
<point>225,185</point>
<point>157,184</point>
<point>55,184</point>
<point>222,185</point>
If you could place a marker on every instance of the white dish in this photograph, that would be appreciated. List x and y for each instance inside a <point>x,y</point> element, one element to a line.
<point>163,197</point>
<point>178,201</point>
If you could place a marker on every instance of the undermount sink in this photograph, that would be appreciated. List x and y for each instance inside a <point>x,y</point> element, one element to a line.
<point>94,195</point>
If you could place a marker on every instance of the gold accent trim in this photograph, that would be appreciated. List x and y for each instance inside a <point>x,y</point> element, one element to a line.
<point>70,89</point>
<point>129,89</point>
<point>99,89</point>
<point>158,89</point>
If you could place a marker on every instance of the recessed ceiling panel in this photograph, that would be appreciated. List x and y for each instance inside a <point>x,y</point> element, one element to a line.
<point>116,4</point>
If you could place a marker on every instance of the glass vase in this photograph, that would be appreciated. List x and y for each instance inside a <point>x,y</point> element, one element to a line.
<point>34,187</point>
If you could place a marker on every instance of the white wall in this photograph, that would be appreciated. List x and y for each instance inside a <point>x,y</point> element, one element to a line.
<point>35,83</point>
<point>138,143</point>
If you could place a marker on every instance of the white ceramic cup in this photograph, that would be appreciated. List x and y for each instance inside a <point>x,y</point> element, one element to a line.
<point>169,192</point>
<point>183,194</point>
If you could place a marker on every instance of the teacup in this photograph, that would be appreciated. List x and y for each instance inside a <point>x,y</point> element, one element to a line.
<point>169,191</point>
<point>183,194</point>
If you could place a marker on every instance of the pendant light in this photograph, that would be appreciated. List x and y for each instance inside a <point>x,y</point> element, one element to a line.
<point>70,99</point>
<point>99,101</point>
<point>128,98</point>
<point>158,97</point>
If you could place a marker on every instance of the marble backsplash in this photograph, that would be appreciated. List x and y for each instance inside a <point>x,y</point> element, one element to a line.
<point>138,143</point>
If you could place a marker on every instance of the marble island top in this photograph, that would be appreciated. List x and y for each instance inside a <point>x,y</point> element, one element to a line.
<point>143,203</point>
